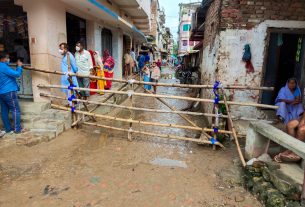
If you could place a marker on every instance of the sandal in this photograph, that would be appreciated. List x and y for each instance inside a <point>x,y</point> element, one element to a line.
<point>277,158</point>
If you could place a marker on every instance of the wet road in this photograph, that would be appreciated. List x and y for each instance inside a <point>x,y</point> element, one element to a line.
<point>97,167</point>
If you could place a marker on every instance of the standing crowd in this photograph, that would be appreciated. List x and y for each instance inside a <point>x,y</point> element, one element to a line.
<point>83,63</point>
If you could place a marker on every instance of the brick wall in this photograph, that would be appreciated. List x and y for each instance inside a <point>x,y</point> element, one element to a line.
<point>211,23</point>
<point>246,14</point>
<point>154,13</point>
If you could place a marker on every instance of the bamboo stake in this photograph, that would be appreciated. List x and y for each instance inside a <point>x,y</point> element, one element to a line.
<point>140,122</point>
<point>153,134</point>
<point>136,108</point>
<point>233,130</point>
<point>236,87</point>
<point>165,96</point>
<point>181,115</point>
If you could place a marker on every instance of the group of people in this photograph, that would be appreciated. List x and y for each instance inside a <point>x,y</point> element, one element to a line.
<point>86,63</point>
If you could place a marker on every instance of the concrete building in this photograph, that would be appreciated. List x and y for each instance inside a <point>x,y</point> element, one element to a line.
<point>275,32</point>
<point>158,36</point>
<point>42,25</point>
<point>185,22</point>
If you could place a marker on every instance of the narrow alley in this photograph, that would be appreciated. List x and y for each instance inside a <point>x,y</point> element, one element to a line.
<point>94,167</point>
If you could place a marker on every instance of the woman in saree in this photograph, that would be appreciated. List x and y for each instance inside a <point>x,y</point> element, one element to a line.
<point>99,67</point>
<point>146,74</point>
<point>109,63</point>
<point>93,82</point>
<point>291,112</point>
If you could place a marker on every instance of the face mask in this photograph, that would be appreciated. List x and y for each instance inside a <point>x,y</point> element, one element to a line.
<point>77,48</point>
<point>61,51</point>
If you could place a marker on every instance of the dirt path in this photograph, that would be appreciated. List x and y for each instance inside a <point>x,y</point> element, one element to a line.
<point>96,167</point>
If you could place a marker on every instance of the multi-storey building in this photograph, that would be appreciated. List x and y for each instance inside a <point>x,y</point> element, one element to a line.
<point>41,25</point>
<point>185,21</point>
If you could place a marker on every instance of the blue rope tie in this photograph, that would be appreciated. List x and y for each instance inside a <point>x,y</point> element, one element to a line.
<point>73,109</point>
<point>213,141</point>
<point>216,85</point>
<point>216,100</point>
<point>71,98</point>
<point>71,86</point>
<point>216,130</point>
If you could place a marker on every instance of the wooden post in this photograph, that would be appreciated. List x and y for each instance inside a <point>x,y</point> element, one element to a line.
<point>241,156</point>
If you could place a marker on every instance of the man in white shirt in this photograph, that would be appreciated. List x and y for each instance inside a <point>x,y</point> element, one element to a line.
<point>85,65</point>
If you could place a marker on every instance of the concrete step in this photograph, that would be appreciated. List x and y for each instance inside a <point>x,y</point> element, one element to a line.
<point>28,108</point>
<point>27,121</point>
<point>58,115</point>
<point>48,133</point>
<point>29,139</point>
<point>48,124</point>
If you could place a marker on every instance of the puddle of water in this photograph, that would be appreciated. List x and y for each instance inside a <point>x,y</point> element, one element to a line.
<point>168,162</point>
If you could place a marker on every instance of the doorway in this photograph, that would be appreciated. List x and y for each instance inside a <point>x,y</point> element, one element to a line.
<point>106,40</point>
<point>76,31</point>
<point>15,39</point>
<point>285,60</point>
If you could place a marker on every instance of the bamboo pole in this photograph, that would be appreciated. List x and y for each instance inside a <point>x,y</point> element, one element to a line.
<point>136,108</point>
<point>233,130</point>
<point>153,134</point>
<point>235,87</point>
<point>140,122</point>
<point>165,96</point>
<point>154,110</point>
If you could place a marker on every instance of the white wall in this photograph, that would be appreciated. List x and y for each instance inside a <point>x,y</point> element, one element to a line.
<point>224,62</point>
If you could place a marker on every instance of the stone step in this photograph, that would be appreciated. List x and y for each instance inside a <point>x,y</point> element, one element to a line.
<point>48,133</point>
<point>37,108</point>
<point>29,139</point>
<point>58,115</point>
<point>48,124</point>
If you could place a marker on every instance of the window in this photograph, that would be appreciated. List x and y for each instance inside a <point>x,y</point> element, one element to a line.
<point>184,42</point>
<point>186,27</point>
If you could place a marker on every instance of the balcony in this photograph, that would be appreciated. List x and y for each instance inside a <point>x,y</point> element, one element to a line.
<point>198,21</point>
<point>137,10</point>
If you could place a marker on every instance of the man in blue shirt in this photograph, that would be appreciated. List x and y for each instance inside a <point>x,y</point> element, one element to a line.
<point>68,65</point>
<point>8,95</point>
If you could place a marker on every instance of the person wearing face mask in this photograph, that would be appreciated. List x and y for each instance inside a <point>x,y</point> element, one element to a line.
<point>8,95</point>
<point>68,65</point>
<point>85,66</point>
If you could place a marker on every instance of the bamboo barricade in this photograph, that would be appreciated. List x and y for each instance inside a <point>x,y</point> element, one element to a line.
<point>233,87</point>
<point>140,122</point>
<point>165,96</point>
<point>203,133</point>
<point>241,156</point>
<point>199,141</point>
<point>135,108</point>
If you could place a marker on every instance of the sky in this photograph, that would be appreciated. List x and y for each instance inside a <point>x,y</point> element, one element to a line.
<point>171,8</point>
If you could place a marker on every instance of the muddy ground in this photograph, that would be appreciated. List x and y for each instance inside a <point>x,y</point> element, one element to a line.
<point>95,167</point>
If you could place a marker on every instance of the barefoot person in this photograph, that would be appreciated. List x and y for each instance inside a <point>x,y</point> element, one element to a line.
<point>8,95</point>
<point>289,102</point>
<point>290,112</point>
